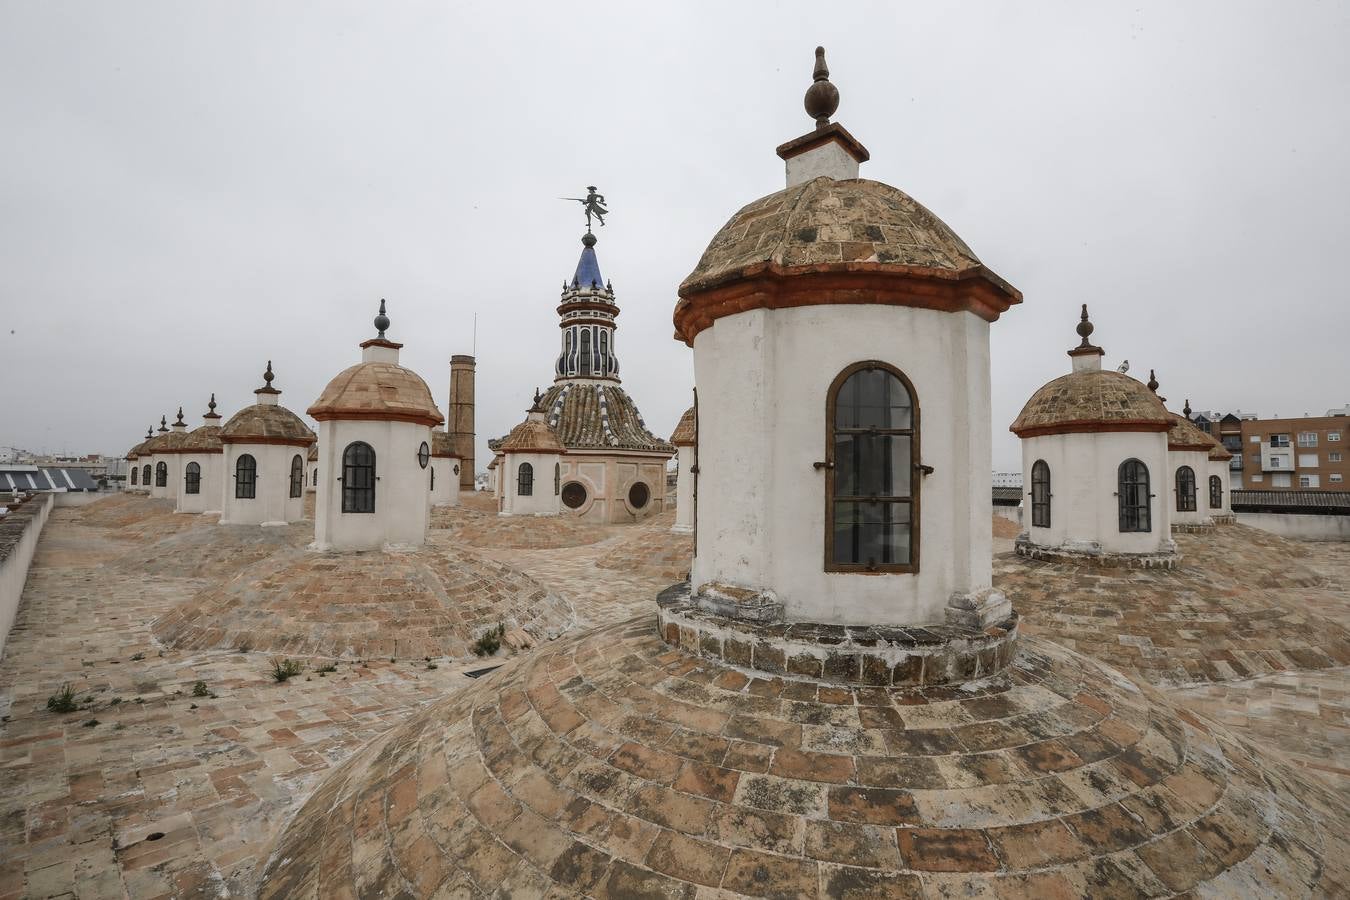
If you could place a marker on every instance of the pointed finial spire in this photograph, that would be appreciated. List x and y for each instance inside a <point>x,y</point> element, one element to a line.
<point>1084,328</point>
<point>150,432</point>
<point>268,376</point>
<point>212,405</point>
<point>822,97</point>
<point>381,320</point>
<point>1186,410</point>
<point>1152,381</point>
<point>163,423</point>
<point>180,418</point>
<point>538,400</point>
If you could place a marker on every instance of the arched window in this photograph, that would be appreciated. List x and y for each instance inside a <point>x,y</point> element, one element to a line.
<point>871,494</point>
<point>297,476</point>
<point>316,476</point>
<point>586,351</point>
<point>1215,492</point>
<point>525,480</point>
<point>161,474</point>
<point>358,478</point>
<point>145,475</point>
<point>1040,494</point>
<point>1134,496</point>
<point>192,479</point>
<point>135,470</point>
<point>245,477</point>
<point>557,478</point>
<point>1185,489</point>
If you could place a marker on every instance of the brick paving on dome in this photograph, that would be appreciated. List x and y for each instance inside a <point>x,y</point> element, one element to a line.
<point>607,765</point>
<point>479,528</point>
<point>651,549</point>
<point>220,781</point>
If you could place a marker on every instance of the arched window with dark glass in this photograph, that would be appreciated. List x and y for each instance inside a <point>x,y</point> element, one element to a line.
<point>1215,492</point>
<point>161,474</point>
<point>358,478</point>
<point>586,351</point>
<point>192,479</point>
<point>145,475</point>
<point>1133,494</point>
<point>245,477</point>
<point>135,470</point>
<point>1185,489</point>
<point>872,494</point>
<point>1040,494</point>
<point>557,478</point>
<point>297,476</point>
<point>525,480</point>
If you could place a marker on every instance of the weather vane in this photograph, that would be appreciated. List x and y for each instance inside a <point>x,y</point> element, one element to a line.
<point>594,205</point>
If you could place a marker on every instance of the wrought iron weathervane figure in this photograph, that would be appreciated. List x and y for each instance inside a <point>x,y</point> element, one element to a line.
<point>594,205</point>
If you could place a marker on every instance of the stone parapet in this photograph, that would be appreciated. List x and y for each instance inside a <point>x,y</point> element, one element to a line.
<point>1097,557</point>
<point>848,654</point>
<point>1192,527</point>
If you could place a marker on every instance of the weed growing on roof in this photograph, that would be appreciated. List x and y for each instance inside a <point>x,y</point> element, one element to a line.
<point>199,689</point>
<point>284,669</point>
<point>63,701</point>
<point>490,641</point>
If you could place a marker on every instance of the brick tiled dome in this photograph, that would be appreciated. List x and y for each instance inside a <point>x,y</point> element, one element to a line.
<point>1183,435</point>
<point>531,437</point>
<point>1089,401</point>
<point>595,416</point>
<point>203,439</point>
<point>686,431</point>
<point>266,423</point>
<point>607,765</point>
<point>377,390</point>
<point>854,228</point>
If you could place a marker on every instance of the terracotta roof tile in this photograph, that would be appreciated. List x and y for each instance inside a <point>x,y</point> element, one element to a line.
<point>377,390</point>
<point>596,416</point>
<point>686,432</point>
<point>1091,401</point>
<point>266,422</point>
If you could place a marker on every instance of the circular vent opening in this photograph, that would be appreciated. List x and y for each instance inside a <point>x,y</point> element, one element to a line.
<point>573,495</point>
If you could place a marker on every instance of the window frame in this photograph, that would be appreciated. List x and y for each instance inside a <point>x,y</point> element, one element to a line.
<point>135,471</point>
<point>917,472</point>
<point>251,481</point>
<point>525,480</point>
<point>351,495</point>
<point>1147,483</point>
<point>1040,505</point>
<point>145,475</point>
<point>161,474</point>
<point>1215,492</point>
<point>1185,489</point>
<point>297,477</point>
<point>557,478</point>
<point>192,478</point>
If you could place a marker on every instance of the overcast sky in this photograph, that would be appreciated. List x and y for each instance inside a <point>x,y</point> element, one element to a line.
<point>188,189</point>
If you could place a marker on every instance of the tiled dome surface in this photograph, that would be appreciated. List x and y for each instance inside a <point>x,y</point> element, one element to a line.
<point>276,423</point>
<point>434,601</point>
<point>1183,435</point>
<point>686,430</point>
<point>1089,400</point>
<point>376,389</point>
<point>531,437</point>
<point>829,221</point>
<point>204,439</point>
<point>596,416</point>
<point>609,766</point>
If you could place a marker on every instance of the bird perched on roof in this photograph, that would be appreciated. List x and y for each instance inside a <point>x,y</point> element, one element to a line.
<point>1123,367</point>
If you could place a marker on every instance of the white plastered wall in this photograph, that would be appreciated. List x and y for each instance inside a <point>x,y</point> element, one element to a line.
<point>207,499</point>
<point>310,482</point>
<point>1198,460</point>
<point>1084,482</point>
<point>402,487</point>
<point>684,491</point>
<point>763,376</point>
<point>541,501</point>
<point>272,503</point>
<point>445,492</point>
<point>170,489</point>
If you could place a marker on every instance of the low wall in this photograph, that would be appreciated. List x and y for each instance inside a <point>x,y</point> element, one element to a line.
<point>1300,527</point>
<point>1011,513</point>
<point>19,533</point>
<point>78,498</point>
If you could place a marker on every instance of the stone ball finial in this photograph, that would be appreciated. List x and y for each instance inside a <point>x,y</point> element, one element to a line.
<point>180,417</point>
<point>588,239</point>
<point>382,320</point>
<point>212,405</point>
<point>1085,328</point>
<point>149,432</point>
<point>163,423</point>
<point>1186,410</point>
<point>822,97</point>
<point>267,375</point>
<point>1152,381</point>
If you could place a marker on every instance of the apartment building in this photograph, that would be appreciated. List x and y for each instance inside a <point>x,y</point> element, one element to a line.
<point>1307,453</point>
<point>1227,429</point>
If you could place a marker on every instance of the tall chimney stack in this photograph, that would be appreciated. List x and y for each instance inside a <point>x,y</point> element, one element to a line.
<point>459,417</point>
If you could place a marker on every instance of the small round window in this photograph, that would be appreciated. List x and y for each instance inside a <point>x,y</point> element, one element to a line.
<point>638,495</point>
<point>423,455</point>
<point>573,495</point>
